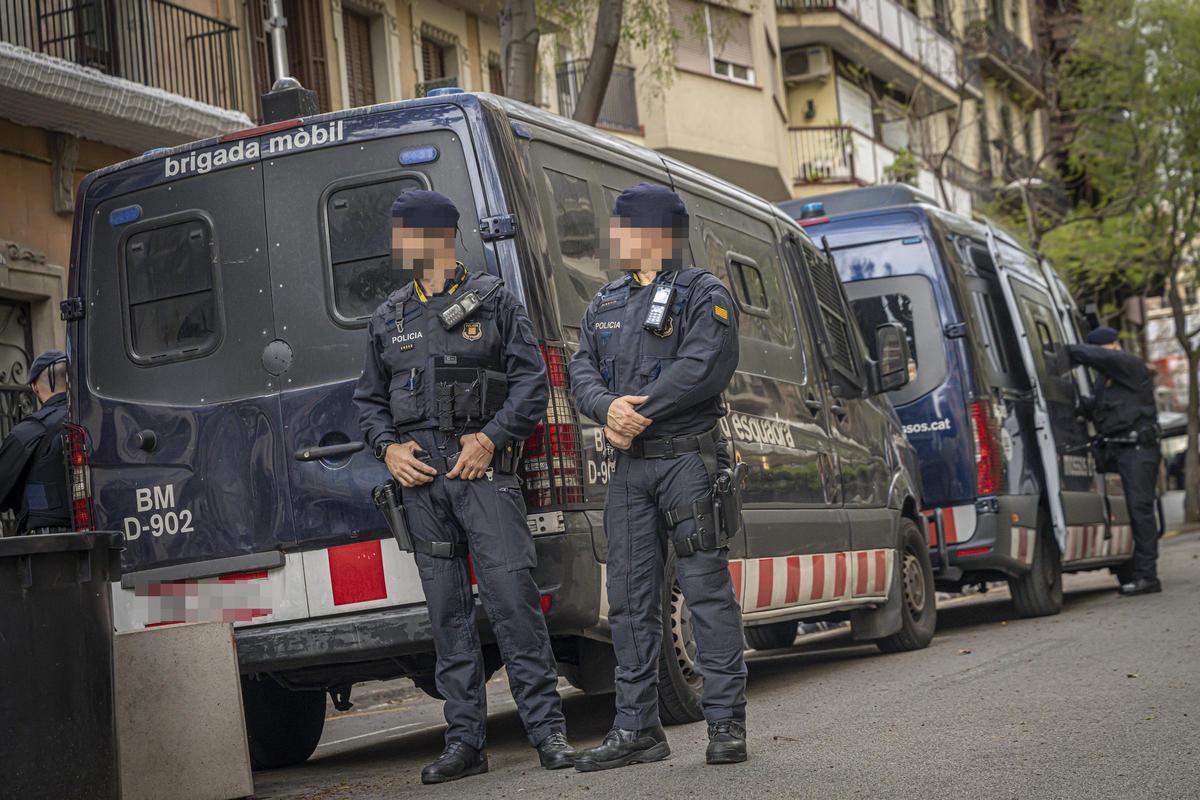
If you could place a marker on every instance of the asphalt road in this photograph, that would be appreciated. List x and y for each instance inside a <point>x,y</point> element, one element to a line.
<point>1101,701</point>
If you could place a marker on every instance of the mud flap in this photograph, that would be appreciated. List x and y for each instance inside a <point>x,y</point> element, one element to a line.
<point>870,624</point>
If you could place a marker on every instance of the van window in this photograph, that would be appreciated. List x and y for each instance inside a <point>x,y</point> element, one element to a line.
<point>838,334</point>
<point>575,223</point>
<point>909,301</point>
<point>360,250</point>
<point>748,287</point>
<point>169,291</point>
<point>750,268</point>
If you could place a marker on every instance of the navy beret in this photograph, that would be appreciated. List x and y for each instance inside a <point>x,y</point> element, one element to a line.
<point>43,361</point>
<point>649,205</point>
<point>422,209</point>
<point>1103,335</point>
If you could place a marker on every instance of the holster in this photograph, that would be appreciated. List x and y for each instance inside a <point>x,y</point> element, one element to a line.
<point>718,515</point>
<point>506,459</point>
<point>387,500</point>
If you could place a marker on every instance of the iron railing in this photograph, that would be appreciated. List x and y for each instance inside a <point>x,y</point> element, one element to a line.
<point>425,87</point>
<point>986,36</point>
<point>152,42</point>
<point>619,109</point>
<point>919,41</point>
<point>15,402</point>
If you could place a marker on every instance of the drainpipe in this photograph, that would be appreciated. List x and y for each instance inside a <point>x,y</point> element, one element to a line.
<point>276,23</point>
<point>287,98</point>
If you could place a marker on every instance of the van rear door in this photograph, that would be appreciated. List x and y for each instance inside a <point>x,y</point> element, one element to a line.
<point>1071,483</point>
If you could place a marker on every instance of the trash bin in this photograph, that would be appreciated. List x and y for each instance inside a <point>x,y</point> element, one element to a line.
<point>57,734</point>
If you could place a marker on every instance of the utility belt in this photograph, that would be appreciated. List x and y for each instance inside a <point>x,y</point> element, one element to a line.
<point>1105,447</point>
<point>461,394</point>
<point>671,446</point>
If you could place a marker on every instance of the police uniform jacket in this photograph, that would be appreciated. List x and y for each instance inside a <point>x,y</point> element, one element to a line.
<point>409,353</point>
<point>683,371</point>
<point>33,474</point>
<point>1124,394</point>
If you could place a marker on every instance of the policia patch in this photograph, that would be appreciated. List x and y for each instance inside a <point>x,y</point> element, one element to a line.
<point>666,331</point>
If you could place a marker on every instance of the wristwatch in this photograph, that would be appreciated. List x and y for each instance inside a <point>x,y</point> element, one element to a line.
<point>381,449</point>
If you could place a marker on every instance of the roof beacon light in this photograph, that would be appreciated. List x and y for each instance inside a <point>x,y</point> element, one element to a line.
<point>812,214</point>
<point>443,91</point>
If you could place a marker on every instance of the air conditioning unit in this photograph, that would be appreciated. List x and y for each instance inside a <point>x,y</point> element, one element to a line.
<point>806,64</point>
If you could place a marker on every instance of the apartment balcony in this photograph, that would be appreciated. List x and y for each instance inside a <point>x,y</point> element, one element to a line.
<point>619,110</point>
<point>132,73</point>
<point>886,38</point>
<point>837,155</point>
<point>1002,54</point>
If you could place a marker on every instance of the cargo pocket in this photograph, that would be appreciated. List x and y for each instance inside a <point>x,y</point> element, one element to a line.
<point>519,552</point>
<point>608,371</point>
<point>404,396</point>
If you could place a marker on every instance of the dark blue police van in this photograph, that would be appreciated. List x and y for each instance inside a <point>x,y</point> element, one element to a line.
<point>219,294</point>
<point>1010,485</point>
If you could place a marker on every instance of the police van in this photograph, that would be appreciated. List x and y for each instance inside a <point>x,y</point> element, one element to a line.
<point>1010,483</point>
<point>219,297</point>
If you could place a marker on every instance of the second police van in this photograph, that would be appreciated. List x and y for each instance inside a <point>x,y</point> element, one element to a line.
<point>219,296</point>
<point>1010,485</point>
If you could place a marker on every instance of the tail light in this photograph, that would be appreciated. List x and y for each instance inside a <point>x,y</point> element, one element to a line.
<point>79,475</point>
<point>554,468</point>
<point>988,464</point>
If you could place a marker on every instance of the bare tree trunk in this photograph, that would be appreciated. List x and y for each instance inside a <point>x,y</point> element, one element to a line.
<point>519,36</point>
<point>1191,458</point>
<point>600,63</point>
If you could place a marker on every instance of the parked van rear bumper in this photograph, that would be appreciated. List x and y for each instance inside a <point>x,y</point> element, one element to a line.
<point>1000,546</point>
<point>567,573</point>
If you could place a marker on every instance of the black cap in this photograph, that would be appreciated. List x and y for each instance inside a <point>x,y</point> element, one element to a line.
<point>1105,335</point>
<point>43,361</point>
<point>649,205</point>
<point>422,209</point>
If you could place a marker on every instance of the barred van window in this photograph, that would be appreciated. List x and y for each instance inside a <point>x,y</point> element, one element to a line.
<point>169,290</point>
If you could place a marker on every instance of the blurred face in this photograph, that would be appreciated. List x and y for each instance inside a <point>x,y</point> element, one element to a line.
<point>1112,346</point>
<point>632,248</point>
<point>428,252</point>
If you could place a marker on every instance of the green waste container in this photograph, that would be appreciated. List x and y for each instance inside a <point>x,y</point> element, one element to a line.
<point>57,732</point>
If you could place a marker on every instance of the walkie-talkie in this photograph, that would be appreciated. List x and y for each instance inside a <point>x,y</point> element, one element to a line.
<point>464,307</point>
<point>660,306</point>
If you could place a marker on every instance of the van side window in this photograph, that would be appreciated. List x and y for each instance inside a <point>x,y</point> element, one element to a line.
<point>750,268</point>
<point>574,221</point>
<point>990,328</point>
<point>360,248</point>
<point>169,290</point>
<point>748,287</point>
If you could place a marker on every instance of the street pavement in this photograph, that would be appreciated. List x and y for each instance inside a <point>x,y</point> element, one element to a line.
<point>1101,701</point>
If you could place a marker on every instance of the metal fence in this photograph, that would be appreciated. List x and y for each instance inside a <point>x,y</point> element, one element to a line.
<point>984,33</point>
<point>15,402</point>
<point>619,109</point>
<point>153,42</point>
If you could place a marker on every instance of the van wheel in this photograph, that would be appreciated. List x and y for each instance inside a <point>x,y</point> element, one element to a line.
<point>772,636</point>
<point>1038,593</point>
<point>282,726</point>
<point>918,599</point>
<point>679,683</point>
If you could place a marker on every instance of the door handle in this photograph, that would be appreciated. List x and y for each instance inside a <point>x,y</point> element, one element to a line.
<point>814,405</point>
<point>328,451</point>
<point>838,408</point>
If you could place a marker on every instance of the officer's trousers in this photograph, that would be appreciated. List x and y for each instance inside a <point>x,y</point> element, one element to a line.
<point>489,515</point>
<point>1138,467</point>
<point>639,492</point>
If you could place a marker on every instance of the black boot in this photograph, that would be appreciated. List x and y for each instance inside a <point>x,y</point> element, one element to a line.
<point>1141,586</point>
<point>621,748</point>
<point>555,752</point>
<point>726,742</point>
<point>458,760</point>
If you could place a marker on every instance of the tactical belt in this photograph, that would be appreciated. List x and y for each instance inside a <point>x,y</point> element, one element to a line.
<point>440,549</point>
<point>504,460</point>
<point>672,446</point>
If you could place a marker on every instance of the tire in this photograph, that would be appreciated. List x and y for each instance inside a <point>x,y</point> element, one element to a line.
<point>918,596</point>
<point>774,636</point>
<point>679,683</point>
<point>1038,593</point>
<point>282,726</point>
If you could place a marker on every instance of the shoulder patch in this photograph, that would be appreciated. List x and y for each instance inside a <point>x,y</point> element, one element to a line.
<point>721,313</point>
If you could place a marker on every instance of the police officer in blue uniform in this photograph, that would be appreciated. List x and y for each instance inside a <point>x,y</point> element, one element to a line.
<point>453,384</point>
<point>1126,417</point>
<point>33,474</point>
<point>657,349</point>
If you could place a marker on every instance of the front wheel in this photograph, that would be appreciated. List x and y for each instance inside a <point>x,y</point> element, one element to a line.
<point>282,726</point>
<point>918,601</point>
<point>772,636</point>
<point>1039,593</point>
<point>679,683</point>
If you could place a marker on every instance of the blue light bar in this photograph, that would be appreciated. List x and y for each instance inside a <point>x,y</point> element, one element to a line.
<point>124,216</point>
<point>812,210</point>
<point>418,155</point>
<point>443,91</point>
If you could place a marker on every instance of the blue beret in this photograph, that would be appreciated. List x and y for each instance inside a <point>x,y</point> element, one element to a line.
<point>1103,335</point>
<point>422,209</point>
<point>649,205</point>
<point>43,361</point>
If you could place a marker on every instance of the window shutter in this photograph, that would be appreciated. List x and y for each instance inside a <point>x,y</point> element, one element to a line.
<point>691,48</point>
<point>731,36</point>
<point>360,71</point>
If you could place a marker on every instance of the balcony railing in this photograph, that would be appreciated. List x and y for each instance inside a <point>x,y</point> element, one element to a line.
<point>896,25</point>
<point>152,42</point>
<point>619,109</point>
<point>986,36</point>
<point>425,87</point>
<point>16,401</point>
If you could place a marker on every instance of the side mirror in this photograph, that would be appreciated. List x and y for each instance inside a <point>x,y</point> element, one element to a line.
<point>891,369</point>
